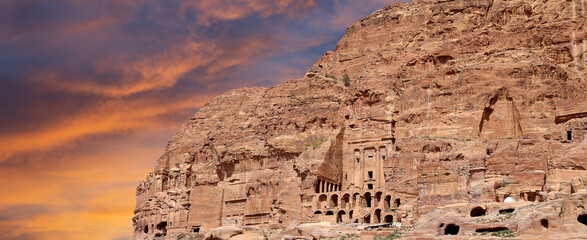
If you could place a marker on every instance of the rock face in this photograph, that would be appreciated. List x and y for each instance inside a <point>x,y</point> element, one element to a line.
<point>424,109</point>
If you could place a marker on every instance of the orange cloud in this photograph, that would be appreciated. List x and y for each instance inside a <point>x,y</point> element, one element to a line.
<point>87,195</point>
<point>228,10</point>
<point>164,69</point>
<point>109,116</point>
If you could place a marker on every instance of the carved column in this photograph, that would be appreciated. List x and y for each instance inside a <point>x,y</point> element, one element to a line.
<point>379,168</point>
<point>362,169</point>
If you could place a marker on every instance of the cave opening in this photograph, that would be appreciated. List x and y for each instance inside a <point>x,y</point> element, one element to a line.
<point>346,199</point>
<point>582,218</point>
<point>452,229</point>
<point>161,229</point>
<point>368,199</point>
<point>367,219</point>
<point>494,229</point>
<point>506,211</point>
<point>397,203</point>
<point>334,201</point>
<point>339,216</point>
<point>322,201</point>
<point>477,212</point>
<point>544,223</point>
<point>387,204</point>
<point>377,216</point>
<point>388,219</point>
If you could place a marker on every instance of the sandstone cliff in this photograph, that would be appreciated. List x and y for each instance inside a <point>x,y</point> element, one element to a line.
<point>427,116</point>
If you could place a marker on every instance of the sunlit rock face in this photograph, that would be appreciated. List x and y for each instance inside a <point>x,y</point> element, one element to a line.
<point>427,117</point>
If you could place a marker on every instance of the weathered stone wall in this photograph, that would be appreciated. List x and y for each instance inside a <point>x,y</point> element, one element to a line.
<point>448,102</point>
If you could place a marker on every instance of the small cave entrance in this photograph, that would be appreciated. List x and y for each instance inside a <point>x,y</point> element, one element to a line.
<point>329,213</point>
<point>387,202</point>
<point>477,212</point>
<point>495,229</point>
<point>368,199</point>
<point>378,196</point>
<point>444,59</point>
<point>544,222</point>
<point>351,214</point>
<point>146,229</point>
<point>531,197</point>
<point>377,216</point>
<point>317,213</point>
<point>334,201</point>
<point>582,218</point>
<point>397,203</point>
<point>346,199</point>
<point>506,211</point>
<point>452,229</point>
<point>339,216</point>
<point>569,135</point>
<point>161,229</point>
<point>367,218</point>
<point>322,201</point>
<point>388,219</point>
<point>195,229</point>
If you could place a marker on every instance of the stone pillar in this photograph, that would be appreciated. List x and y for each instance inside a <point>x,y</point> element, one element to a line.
<point>379,168</point>
<point>355,167</point>
<point>362,170</point>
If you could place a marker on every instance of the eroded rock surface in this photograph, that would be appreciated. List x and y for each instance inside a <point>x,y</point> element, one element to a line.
<point>423,109</point>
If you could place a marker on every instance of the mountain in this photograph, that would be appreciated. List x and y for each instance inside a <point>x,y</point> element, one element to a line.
<point>433,118</point>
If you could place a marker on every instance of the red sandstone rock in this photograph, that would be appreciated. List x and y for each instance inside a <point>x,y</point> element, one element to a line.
<point>451,105</point>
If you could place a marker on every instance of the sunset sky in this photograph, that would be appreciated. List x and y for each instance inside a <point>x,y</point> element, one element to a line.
<point>92,90</point>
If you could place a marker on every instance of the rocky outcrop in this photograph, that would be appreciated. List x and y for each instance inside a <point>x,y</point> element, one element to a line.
<point>422,106</point>
<point>563,218</point>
